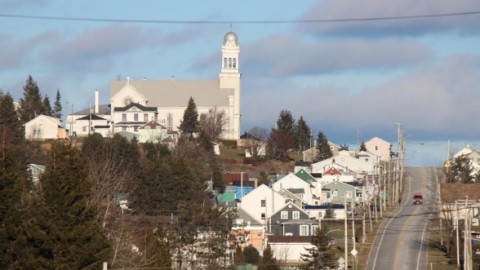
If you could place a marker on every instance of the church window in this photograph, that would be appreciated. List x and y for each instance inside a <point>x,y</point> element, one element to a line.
<point>145,117</point>
<point>234,62</point>
<point>124,117</point>
<point>135,117</point>
<point>230,62</point>
<point>225,62</point>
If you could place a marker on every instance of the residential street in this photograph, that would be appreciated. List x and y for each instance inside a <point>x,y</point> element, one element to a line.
<point>400,242</point>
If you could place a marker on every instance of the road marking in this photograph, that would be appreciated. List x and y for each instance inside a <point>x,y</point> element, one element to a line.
<point>388,223</point>
<point>421,244</point>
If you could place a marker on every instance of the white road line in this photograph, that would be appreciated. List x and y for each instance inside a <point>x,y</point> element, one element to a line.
<point>421,244</point>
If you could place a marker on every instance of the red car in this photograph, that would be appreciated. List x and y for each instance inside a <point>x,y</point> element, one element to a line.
<point>417,198</point>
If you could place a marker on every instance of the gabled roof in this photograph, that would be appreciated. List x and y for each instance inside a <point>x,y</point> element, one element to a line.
<point>176,93</point>
<point>91,116</point>
<point>332,171</point>
<point>247,135</point>
<point>152,125</point>
<point>53,120</point>
<point>131,105</point>
<point>305,176</point>
<point>241,214</point>
<point>291,206</point>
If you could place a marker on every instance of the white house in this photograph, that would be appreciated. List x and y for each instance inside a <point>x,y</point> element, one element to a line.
<point>44,127</point>
<point>289,249</point>
<point>152,132</point>
<point>293,182</point>
<point>379,147</point>
<point>347,161</point>
<point>261,203</point>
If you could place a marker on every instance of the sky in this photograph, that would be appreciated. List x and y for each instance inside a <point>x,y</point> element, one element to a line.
<point>353,69</point>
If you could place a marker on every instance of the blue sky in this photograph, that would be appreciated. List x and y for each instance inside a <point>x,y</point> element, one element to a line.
<point>345,78</point>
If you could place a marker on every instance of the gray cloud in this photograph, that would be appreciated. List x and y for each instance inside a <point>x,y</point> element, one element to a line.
<point>332,9</point>
<point>282,55</point>
<point>436,100</point>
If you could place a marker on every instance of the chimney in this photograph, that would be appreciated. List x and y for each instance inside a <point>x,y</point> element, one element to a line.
<point>96,101</point>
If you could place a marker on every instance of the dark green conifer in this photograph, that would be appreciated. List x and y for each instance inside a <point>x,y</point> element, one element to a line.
<point>31,104</point>
<point>78,238</point>
<point>189,124</point>
<point>324,150</point>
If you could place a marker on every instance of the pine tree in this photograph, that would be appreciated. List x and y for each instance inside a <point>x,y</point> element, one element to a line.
<point>268,261</point>
<point>251,254</point>
<point>11,130</point>
<point>31,104</point>
<point>302,134</point>
<point>47,108</point>
<point>189,124</point>
<point>286,122</point>
<point>322,254</point>
<point>363,147</point>
<point>57,106</point>
<point>77,236</point>
<point>324,151</point>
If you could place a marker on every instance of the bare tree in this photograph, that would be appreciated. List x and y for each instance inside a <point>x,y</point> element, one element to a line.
<point>213,123</point>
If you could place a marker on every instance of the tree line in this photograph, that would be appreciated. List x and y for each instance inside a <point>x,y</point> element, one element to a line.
<point>74,217</point>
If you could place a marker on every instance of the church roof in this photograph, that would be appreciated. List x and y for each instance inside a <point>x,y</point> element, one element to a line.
<point>176,93</point>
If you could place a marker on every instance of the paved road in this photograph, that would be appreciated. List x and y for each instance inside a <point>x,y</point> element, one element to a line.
<point>400,243</point>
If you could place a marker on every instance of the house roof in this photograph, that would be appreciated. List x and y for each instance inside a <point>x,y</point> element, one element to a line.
<point>53,120</point>
<point>241,214</point>
<point>153,125</point>
<point>324,206</point>
<point>131,105</point>
<point>289,239</point>
<point>176,93</point>
<point>247,135</point>
<point>452,192</point>
<point>91,116</point>
<point>226,196</point>
<point>305,176</point>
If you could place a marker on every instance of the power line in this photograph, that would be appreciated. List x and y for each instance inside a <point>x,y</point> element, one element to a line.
<point>407,17</point>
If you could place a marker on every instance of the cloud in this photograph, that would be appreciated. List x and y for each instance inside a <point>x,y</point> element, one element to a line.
<point>333,9</point>
<point>435,100</point>
<point>282,55</point>
<point>9,4</point>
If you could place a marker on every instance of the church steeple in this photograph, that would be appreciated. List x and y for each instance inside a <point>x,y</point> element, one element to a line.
<point>230,79</point>
<point>230,53</point>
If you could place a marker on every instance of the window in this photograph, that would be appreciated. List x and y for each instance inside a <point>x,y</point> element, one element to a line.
<point>376,147</point>
<point>303,230</point>
<point>145,117</point>
<point>234,62</point>
<point>225,62</point>
<point>135,117</point>
<point>124,117</point>
<point>320,214</point>
<point>262,216</point>
<point>135,129</point>
<point>263,203</point>
<point>296,215</point>
<point>284,215</point>
<point>314,229</point>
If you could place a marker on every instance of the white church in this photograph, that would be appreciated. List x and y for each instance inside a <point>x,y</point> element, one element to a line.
<point>135,104</point>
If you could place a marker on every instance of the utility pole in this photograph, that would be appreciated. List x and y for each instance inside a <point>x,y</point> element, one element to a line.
<point>346,231</point>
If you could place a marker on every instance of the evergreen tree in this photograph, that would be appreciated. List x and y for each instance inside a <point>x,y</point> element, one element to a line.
<point>31,104</point>
<point>268,261</point>
<point>324,151</point>
<point>363,147</point>
<point>322,254</point>
<point>251,254</point>
<point>47,108</point>
<point>11,129</point>
<point>460,171</point>
<point>302,134</point>
<point>57,106</point>
<point>286,122</point>
<point>239,259</point>
<point>344,147</point>
<point>77,236</point>
<point>189,124</point>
